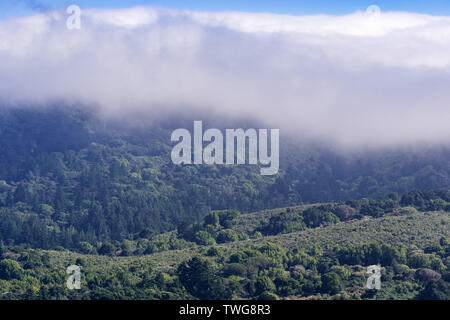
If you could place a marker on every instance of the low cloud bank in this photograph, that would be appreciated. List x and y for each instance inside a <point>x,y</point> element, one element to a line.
<point>354,80</point>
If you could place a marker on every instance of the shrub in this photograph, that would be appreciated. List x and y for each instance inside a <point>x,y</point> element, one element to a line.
<point>212,219</point>
<point>427,275</point>
<point>435,290</point>
<point>107,249</point>
<point>10,269</point>
<point>203,238</point>
<point>264,283</point>
<point>331,283</point>
<point>418,261</point>
<point>228,218</point>
<point>86,248</point>
<point>227,235</point>
<point>268,296</point>
<point>344,212</point>
<point>234,269</point>
<point>200,279</point>
<point>314,217</point>
<point>286,222</point>
<point>214,252</point>
<point>31,260</point>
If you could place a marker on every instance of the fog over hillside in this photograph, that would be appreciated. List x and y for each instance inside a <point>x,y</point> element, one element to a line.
<point>354,80</point>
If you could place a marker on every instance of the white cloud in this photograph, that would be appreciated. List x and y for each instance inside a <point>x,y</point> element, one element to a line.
<point>354,79</point>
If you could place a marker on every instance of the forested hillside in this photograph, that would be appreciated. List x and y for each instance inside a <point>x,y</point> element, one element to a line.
<point>243,150</point>
<point>318,262</point>
<point>76,188</point>
<point>70,178</point>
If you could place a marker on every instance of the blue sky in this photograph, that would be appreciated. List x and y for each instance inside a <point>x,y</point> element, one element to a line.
<point>11,8</point>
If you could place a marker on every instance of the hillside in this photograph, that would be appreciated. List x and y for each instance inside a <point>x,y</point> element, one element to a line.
<point>316,250</point>
<point>80,189</point>
<point>198,150</point>
<point>68,175</point>
<point>415,230</point>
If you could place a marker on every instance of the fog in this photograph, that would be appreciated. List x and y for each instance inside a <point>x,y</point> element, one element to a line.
<point>354,80</point>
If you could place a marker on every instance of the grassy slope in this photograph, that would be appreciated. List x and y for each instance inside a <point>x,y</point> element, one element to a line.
<point>412,230</point>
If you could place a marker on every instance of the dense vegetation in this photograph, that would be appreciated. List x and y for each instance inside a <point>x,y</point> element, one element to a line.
<point>253,270</point>
<point>103,194</point>
<point>69,178</point>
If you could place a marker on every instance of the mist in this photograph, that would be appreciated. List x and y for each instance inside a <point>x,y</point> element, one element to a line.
<point>358,80</point>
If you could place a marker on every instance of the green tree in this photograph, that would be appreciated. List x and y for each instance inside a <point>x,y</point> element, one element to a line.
<point>200,280</point>
<point>212,219</point>
<point>286,222</point>
<point>107,249</point>
<point>86,248</point>
<point>264,283</point>
<point>203,238</point>
<point>268,296</point>
<point>331,283</point>
<point>435,290</point>
<point>10,269</point>
<point>314,217</point>
<point>418,260</point>
<point>226,235</point>
<point>31,260</point>
<point>274,252</point>
<point>228,218</point>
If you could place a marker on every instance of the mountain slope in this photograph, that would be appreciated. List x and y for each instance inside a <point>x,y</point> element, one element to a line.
<point>317,253</point>
<point>70,176</point>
